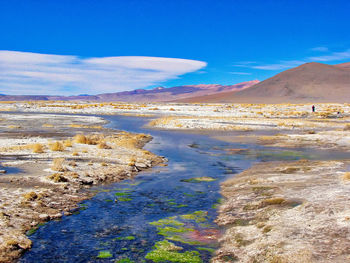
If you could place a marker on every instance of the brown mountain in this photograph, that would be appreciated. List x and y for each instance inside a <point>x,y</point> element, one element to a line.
<point>158,94</point>
<point>310,82</point>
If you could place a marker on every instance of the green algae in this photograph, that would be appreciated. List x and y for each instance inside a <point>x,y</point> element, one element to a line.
<point>167,221</point>
<point>181,205</point>
<point>126,238</point>
<point>211,250</point>
<point>189,195</point>
<point>169,231</point>
<point>124,260</point>
<point>199,179</point>
<point>121,194</point>
<point>197,216</point>
<point>167,251</point>
<point>218,202</point>
<point>32,231</point>
<point>124,199</point>
<point>108,200</point>
<point>181,239</point>
<point>104,254</point>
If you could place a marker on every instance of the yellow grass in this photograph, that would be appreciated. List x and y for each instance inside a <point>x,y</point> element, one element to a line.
<point>80,138</point>
<point>56,146</point>
<point>346,176</point>
<point>38,148</point>
<point>68,143</point>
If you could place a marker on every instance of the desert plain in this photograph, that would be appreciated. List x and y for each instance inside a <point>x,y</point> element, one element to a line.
<point>290,211</point>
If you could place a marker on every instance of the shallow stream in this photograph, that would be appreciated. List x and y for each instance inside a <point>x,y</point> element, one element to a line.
<point>134,220</point>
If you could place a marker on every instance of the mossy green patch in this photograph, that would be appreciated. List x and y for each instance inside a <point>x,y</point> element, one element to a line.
<point>181,205</point>
<point>189,195</point>
<point>167,251</point>
<point>108,200</point>
<point>104,254</point>
<point>124,260</point>
<point>167,221</point>
<point>124,199</point>
<point>169,231</point>
<point>126,238</point>
<point>31,231</point>
<point>198,216</point>
<point>199,179</point>
<point>122,194</point>
<point>211,250</point>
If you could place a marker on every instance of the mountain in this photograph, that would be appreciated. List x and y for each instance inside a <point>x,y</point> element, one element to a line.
<point>158,94</point>
<point>310,82</point>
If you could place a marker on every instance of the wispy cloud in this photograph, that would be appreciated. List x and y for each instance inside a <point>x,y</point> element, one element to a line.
<point>240,73</point>
<point>334,56</point>
<point>286,64</point>
<point>33,73</point>
<point>320,49</point>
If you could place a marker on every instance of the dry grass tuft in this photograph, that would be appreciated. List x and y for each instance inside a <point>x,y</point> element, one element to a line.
<point>31,196</point>
<point>58,178</point>
<point>38,148</point>
<point>58,165</point>
<point>346,176</point>
<point>103,145</point>
<point>68,143</point>
<point>80,138</point>
<point>56,146</point>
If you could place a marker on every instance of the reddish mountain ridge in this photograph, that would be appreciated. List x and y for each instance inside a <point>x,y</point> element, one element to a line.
<point>158,94</point>
<point>310,82</point>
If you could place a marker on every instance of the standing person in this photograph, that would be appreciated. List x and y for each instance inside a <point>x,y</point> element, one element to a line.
<point>313,108</point>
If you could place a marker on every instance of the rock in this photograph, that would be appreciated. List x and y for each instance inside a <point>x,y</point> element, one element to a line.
<point>141,165</point>
<point>2,171</point>
<point>55,216</point>
<point>86,182</point>
<point>44,217</point>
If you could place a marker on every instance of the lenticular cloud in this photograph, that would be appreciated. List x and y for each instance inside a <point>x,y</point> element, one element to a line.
<point>33,73</point>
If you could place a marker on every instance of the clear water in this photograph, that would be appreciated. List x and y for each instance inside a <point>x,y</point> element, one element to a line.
<point>123,228</point>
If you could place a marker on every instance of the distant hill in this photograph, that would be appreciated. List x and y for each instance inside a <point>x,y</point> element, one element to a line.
<point>158,94</point>
<point>310,82</point>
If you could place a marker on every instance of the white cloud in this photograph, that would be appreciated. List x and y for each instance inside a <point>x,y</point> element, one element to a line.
<point>279,66</point>
<point>286,64</point>
<point>33,73</point>
<point>334,56</point>
<point>320,49</point>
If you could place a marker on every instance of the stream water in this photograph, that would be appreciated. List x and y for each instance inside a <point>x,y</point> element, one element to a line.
<point>125,220</point>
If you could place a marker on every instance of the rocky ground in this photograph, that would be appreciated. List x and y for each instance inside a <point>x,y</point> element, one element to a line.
<point>274,212</point>
<point>46,163</point>
<point>287,212</point>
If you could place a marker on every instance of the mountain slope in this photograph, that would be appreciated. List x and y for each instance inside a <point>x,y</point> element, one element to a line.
<point>158,94</point>
<point>310,82</point>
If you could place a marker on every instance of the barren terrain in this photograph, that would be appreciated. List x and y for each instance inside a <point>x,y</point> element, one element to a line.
<point>274,212</point>
<point>46,162</point>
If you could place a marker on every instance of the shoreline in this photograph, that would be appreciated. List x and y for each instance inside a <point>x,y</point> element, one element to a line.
<point>49,182</point>
<point>286,212</point>
<point>260,200</point>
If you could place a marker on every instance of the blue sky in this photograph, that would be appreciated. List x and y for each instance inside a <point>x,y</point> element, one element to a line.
<point>220,41</point>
